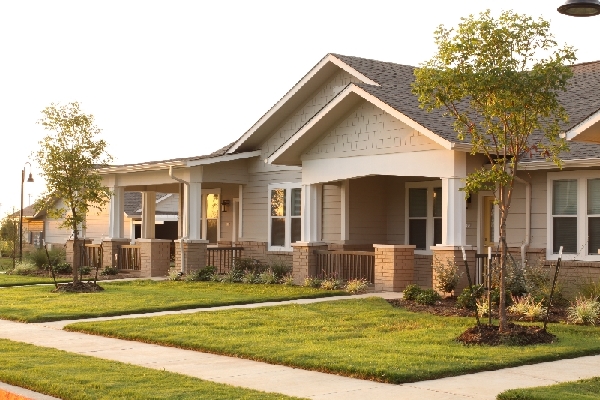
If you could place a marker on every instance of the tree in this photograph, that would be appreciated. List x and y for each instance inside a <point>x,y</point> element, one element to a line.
<point>68,158</point>
<point>9,235</point>
<point>499,80</point>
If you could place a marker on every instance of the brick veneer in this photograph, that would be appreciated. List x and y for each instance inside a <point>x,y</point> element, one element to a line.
<point>155,257</point>
<point>73,252</point>
<point>441,254</point>
<point>423,270</point>
<point>304,260</point>
<point>194,252</point>
<point>110,249</point>
<point>394,267</point>
<point>259,251</point>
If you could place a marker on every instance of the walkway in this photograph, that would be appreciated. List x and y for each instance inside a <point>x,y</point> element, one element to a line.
<point>291,381</point>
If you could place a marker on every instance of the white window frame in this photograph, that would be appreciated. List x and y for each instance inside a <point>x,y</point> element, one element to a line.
<point>288,186</point>
<point>429,185</point>
<point>582,217</point>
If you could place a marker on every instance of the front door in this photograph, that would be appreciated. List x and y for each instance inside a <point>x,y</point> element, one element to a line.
<point>488,221</point>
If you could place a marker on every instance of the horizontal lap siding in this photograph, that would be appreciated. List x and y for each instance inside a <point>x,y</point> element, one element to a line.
<point>331,229</point>
<point>367,210</point>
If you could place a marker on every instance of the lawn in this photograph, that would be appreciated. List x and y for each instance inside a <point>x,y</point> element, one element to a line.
<point>367,339</point>
<point>580,390</point>
<point>19,280</point>
<point>39,304</point>
<point>72,376</point>
<point>5,263</point>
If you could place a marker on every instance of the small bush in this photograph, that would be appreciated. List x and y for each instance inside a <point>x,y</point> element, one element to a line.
<point>63,268</point>
<point>527,307</point>
<point>202,274</point>
<point>585,311</point>
<point>428,297</point>
<point>174,275</point>
<point>280,270</point>
<point>39,258</point>
<point>268,277</point>
<point>590,288</point>
<point>109,270</point>
<point>312,281</point>
<point>241,265</point>
<point>250,277</point>
<point>288,280</point>
<point>24,268</point>
<point>411,292</point>
<point>447,275</point>
<point>331,283</point>
<point>356,286</point>
<point>85,270</point>
<point>468,301</point>
<point>483,307</point>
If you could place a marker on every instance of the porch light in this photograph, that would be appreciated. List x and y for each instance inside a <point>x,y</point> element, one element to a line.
<point>224,205</point>
<point>580,8</point>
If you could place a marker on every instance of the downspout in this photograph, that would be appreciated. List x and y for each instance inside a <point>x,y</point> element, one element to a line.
<point>525,245</point>
<point>187,214</point>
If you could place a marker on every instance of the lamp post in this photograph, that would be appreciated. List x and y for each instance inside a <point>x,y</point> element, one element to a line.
<point>580,8</point>
<point>30,179</point>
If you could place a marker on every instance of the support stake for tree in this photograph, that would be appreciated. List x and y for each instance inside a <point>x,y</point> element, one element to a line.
<point>464,254</point>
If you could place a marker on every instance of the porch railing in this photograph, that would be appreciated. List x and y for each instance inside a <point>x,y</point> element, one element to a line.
<point>91,255</point>
<point>346,265</point>
<point>130,257</point>
<point>482,267</point>
<point>222,257</point>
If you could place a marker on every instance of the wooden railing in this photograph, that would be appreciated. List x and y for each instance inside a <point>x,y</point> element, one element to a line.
<point>130,257</point>
<point>346,265</point>
<point>91,256</point>
<point>222,257</point>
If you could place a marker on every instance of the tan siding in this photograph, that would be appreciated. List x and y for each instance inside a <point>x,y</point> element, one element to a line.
<point>331,228</point>
<point>367,210</point>
<point>395,209</point>
<point>168,203</point>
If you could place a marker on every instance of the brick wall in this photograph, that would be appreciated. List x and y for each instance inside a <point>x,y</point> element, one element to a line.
<point>394,267</point>
<point>423,270</point>
<point>304,262</point>
<point>155,257</point>
<point>258,251</point>
<point>194,255</point>
<point>443,254</point>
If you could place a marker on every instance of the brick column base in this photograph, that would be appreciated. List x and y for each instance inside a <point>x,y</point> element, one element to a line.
<point>394,267</point>
<point>110,251</point>
<point>194,255</point>
<point>304,261</point>
<point>155,257</point>
<point>443,254</point>
<point>73,251</point>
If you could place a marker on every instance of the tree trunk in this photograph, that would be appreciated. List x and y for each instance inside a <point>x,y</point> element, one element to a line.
<point>502,325</point>
<point>75,253</point>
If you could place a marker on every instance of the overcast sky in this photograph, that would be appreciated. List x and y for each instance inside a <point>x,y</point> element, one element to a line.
<point>167,79</point>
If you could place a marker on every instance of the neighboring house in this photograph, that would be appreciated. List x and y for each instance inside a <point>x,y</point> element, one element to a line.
<point>347,160</point>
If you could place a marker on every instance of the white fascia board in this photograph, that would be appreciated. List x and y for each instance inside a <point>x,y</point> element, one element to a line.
<point>147,166</point>
<point>223,158</point>
<point>351,88</point>
<point>327,59</point>
<point>541,165</point>
<point>583,126</point>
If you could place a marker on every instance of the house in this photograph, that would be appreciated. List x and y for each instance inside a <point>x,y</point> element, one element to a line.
<point>346,161</point>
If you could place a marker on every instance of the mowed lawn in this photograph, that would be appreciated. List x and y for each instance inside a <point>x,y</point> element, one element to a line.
<point>39,304</point>
<point>367,339</point>
<point>586,389</point>
<point>76,377</point>
<point>20,280</point>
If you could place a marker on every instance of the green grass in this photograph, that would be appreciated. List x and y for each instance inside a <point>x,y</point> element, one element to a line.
<point>20,280</point>
<point>38,304</point>
<point>72,376</point>
<point>587,389</point>
<point>5,263</point>
<point>367,339</point>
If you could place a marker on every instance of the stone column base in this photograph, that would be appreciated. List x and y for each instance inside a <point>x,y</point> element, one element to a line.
<point>394,267</point>
<point>155,257</point>
<point>110,251</point>
<point>304,261</point>
<point>444,254</point>
<point>194,255</point>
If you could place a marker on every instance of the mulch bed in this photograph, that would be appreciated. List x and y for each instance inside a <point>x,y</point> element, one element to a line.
<point>79,287</point>
<point>516,335</point>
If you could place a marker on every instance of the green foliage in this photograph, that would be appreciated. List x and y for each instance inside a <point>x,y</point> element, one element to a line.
<point>578,390</point>
<point>447,275</point>
<point>25,268</point>
<point>62,268</point>
<point>203,274</point>
<point>468,299</point>
<point>312,281</point>
<point>428,297</point>
<point>250,277</point>
<point>288,280</point>
<point>40,259</point>
<point>411,292</point>
<point>280,269</point>
<point>590,288</point>
<point>109,270</point>
<point>331,283</point>
<point>527,307</point>
<point>584,311</point>
<point>68,158</point>
<point>356,286</point>
<point>268,277</point>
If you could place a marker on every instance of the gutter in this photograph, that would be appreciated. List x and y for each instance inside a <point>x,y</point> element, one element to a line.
<point>187,213</point>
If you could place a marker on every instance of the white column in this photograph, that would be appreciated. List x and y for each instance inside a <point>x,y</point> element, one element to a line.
<point>148,215</point>
<point>454,213</point>
<point>311,212</point>
<point>116,213</point>
<point>195,211</point>
<point>241,212</point>
<point>345,210</point>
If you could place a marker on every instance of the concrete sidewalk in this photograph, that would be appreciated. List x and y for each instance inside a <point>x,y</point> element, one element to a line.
<point>291,381</point>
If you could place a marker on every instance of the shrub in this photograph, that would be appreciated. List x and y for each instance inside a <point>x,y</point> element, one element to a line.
<point>39,258</point>
<point>85,270</point>
<point>174,275</point>
<point>280,270</point>
<point>468,301</point>
<point>250,277</point>
<point>411,292</point>
<point>515,278</point>
<point>331,283</point>
<point>584,311</point>
<point>202,274</point>
<point>268,277</point>
<point>63,268</point>
<point>447,275</point>
<point>356,286</point>
<point>241,265</point>
<point>24,268</point>
<point>483,307</point>
<point>312,281</point>
<point>288,280</point>
<point>526,306</point>
<point>109,270</point>
<point>428,297</point>
<point>590,288</point>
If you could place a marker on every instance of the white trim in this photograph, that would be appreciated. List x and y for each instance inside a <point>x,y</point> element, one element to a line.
<point>287,186</point>
<point>345,210</point>
<point>144,166</point>
<point>583,126</point>
<point>327,59</point>
<point>429,185</point>
<point>579,163</point>
<point>236,219</point>
<point>582,216</point>
<point>223,158</point>
<point>241,211</point>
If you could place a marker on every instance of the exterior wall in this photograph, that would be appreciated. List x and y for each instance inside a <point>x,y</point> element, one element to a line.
<point>394,267</point>
<point>258,251</point>
<point>369,130</point>
<point>423,270</point>
<point>331,216</point>
<point>395,200</point>
<point>169,202</point>
<point>444,254</point>
<point>368,223</point>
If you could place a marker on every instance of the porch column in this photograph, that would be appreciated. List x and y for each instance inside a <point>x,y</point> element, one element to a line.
<point>394,267</point>
<point>148,215</point>
<point>311,213</point>
<point>454,213</point>
<point>345,210</point>
<point>116,213</point>
<point>194,211</point>
<point>304,260</point>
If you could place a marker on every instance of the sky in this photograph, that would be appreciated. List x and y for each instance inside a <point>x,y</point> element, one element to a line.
<point>169,79</point>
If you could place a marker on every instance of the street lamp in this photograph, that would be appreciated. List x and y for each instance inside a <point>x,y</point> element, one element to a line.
<point>580,8</point>
<point>30,179</point>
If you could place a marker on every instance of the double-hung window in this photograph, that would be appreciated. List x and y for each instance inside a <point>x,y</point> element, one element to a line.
<point>285,216</point>
<point>424,214</point>
<point>574,214</point>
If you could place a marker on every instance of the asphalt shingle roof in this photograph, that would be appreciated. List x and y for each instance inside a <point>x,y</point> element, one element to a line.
<point>133,202</point>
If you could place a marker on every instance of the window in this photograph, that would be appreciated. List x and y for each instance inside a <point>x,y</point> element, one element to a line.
<point>211,216</point>
<point>285,216</point>
<point>574,216</point>
<point>424,211</point>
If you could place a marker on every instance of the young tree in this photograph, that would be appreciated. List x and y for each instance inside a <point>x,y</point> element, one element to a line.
<point>9,235</point>
<point>499,80</point>
<point>68,158</point>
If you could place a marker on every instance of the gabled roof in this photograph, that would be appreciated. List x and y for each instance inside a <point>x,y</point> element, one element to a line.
<point>133,203</point>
